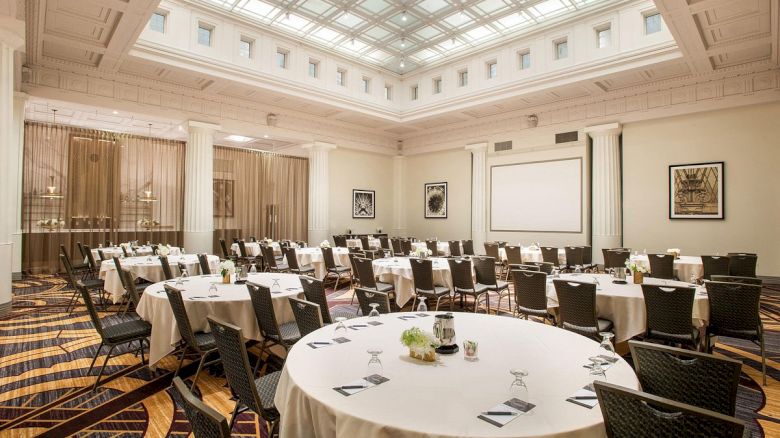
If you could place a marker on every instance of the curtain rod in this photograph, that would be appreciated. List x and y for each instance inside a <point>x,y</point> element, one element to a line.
<point>259,151</point>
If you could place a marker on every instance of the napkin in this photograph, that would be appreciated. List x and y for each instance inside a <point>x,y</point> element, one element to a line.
<point>358,327</point>
<point>605,366</point>
<point>514,405</point>
<point>361,384</point>
<point>374,323</point>
<point>585,394</point>
<point>405,317</point>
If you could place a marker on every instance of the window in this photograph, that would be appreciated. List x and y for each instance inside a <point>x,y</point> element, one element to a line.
<point>282,58</point>
<point>561,49</point>
<point>436,85</point>
<point>524,59</point>
<point>205,32</point>
<point>414,92</point>
<point>314,68</point>
<point>463,78</point>
<point>157,22</point>
<point>341,77</point>
<point>652,23</point>
<point>388,92</point>
<point>492,69</point>
<point>604,37</point>
<point>245,48</point>
<point>366,85</point>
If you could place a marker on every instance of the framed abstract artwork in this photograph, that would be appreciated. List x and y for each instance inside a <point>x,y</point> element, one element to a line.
<point>223,198</point>
<point>436,200</point>
<point>696,191</point>
<point>363,204</point>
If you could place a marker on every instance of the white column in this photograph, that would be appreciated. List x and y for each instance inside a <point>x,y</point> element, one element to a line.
<point>13,173</point>
<point>399,195</point>
<point>319,191</point>
<point>478,196</point>
<point>199,188</point>
<point>607,226</point>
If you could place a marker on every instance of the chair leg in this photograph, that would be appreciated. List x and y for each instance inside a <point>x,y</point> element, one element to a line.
<point>235,414</point>
<point>71,306</point>
<point>102,368</point>
<point>181,360</point>
<point>197,373</point>
<point>97,353</point>
<point>259,357</point>
<point>763,358</point>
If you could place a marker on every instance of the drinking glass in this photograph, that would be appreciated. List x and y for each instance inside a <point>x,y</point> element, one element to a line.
<point>595,367</point>
<point>577,269</point>
<point>276,287</point>
<point>605,347</point>
<point>374,364</point>
<point>213,289</point>
<point>644,251</point>
<point>340,329</point>
<point>422,307</point>
<point>518,388</point>
<point>373,313</point>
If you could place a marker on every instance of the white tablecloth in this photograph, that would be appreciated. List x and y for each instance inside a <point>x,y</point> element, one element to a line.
<point>112,251</point>
<point>443,399</point>
<point>443,247</point>
<point>356,243</point>
<point>313,256</point>
<point>624,304</point>
<point>253,248</point>
<point>398,271</point>
<point>148,268</point>
<point>233,305</point>
<point>534,254</point>
<point>683,266</point>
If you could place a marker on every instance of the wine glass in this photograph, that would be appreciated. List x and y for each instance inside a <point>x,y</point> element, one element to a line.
<point>605,347</point>
<point>422,307</point>
<point>340,329</point>
<point>213,289</point>
<point>595,366</point>
<point>518,388</point>
<point>374,313</point>
<point>276,286</point>
<point>374,364</point>
<point>577,269</point>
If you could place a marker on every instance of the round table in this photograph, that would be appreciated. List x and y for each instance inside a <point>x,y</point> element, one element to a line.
<point>231,303</point>
<point>116,251</point>
<point>148,268</point>
<point>253,248</point>
<point>624,304</point>
<point>534,254</point>
<point>442,399</point>
<point>684,266</point>
<point>313,256</point>
<point>398,271</point>
<point>374,243</point>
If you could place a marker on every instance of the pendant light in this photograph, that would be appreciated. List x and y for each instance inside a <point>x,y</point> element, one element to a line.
<point>148,196</point>
<point>51,190</point>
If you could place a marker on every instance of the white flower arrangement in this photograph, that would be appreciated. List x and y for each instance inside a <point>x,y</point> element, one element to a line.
<point>674,251</point>
<point>125,245</point>
<point>269,241</point>
<point>163,250</point>
<point>227,267</point>
<point>51,223</point>
<point>634,267</point>
<point>423,252</point>
<point>147,223</point>
<point>324,244</point>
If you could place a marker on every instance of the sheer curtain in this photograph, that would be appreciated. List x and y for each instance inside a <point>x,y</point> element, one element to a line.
<point>91,186</point>
<point>259,194</point>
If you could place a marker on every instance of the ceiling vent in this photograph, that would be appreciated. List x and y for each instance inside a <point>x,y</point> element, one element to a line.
<point>566,137</point>
<point>503,146</point>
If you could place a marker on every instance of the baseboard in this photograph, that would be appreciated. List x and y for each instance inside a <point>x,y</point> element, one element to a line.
<point>5,308</point>
<point>16,276</point>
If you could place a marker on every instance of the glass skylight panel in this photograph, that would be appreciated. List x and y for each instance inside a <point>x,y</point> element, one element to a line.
<point>425,55</point>
<point>396,19</point>
<point>549,7</point>
<point>377,32</point>
<point>349,20</point>
<point>295,22</point>
<point>352,46</point>
<point>427,33</point>
<point>432,5</point>
<point>379,55</point>
<point>491,6</point>
<point>457,19</point>
<point>450,45</point>
<point>479,33</point>
<point>512,20</point>
<point>316,6</point>
<point>325,34</point>
<point>259,9</point>
<point>374,6</point>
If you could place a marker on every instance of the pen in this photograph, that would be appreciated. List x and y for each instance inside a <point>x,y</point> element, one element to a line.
<point>353,387</point>
<point>498,413</point>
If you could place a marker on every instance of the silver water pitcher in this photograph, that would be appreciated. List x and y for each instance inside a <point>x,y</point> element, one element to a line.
<point>444,330</point>
<point>619,273</point>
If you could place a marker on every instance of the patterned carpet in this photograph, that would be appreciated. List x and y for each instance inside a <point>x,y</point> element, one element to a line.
<point>44,354</point>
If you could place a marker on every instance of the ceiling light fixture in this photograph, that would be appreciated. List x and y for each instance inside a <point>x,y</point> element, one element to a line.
<point>115,112</point>
<point>238,138</point>
<point>346,15</point>
<point>265,135</point>
<point>352,40</point>
<point>287,15</point>
<point>462,15</point>
<point>403,42</point>
<point>403,16</point>
<point>403,64</point>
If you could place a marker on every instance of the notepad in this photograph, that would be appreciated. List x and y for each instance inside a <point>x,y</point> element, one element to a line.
<point>358,327</point>
<point>405,317</point>
<point>360,385</point>
<point>515,407</point>
<point>320,344</point>
<point>585,397</point>
<point>374,323</point>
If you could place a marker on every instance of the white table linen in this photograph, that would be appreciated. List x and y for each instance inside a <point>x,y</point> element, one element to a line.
<point>357,243</point>
<point>233,305</point>
<point>112,251</point>
<point>148,268</point>
<point>443,399</point>
<point>684,266</point>
<point>624,304</point>
<point>398,271</point>
<point>534,254</point>
<point>313,256</point>
<point>443,247</point>
<point>253,248</point>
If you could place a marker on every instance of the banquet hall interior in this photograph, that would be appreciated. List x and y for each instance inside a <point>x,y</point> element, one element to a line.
<point>390,218</point>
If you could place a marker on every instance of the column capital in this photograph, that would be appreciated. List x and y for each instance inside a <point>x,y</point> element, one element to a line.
<point>319,146</point>
<point>21,96</point>
<point>477,147</point>
<point>194,125</point>
<point>603,130</point>
<point>399,157</point>
<point>12,31</point>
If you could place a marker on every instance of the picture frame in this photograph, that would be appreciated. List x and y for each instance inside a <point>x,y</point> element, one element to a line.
<point>223,198</point>
<point>435,200</point>
<point>696,191</point>
<point>363,204</point>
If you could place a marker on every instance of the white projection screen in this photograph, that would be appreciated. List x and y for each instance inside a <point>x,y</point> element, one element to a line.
<point>542,196</point>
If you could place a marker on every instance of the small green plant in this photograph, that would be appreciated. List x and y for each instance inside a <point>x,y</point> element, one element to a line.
<point>416,338</point>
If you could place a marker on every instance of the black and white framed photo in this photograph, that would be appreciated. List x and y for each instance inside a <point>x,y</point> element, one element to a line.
<point>436,200</point>
<point>696,191</point>
<point>363,204</point>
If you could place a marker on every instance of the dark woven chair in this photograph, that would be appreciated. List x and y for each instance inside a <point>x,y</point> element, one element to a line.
<point>455,248</point>
<point>662,266</point>
<point>292,263</point>
<point>364,243</point>
<point>126,332</point>
<point>314,291</point>
<point>166,267</point>
<point>203,262</point>
<point>468,247</point>
<point>132,296</point>
<point>577,309</point>
<point>406,247</point>
<point>92,285</point>
<point>698,379</point>
<point>366,297</point>
<point>269,258</point>
<point>574,256</point>
<point>633,414</point>
<point>102,255</point>
<point>243,256</point>
<point>714,265</point>
<point>307,315</point>
<point>93,266</point>
<point>226,254</point>
<point>669,311</point>
<point>463,283</point>
<point>433,247</point>
<point>742,264</point>
<point>486,275</point>
<point>79,268</point>
<point>545,267</point>
<point>491,250</point>
<point>743,280</point>
<point>124,251</point>
<point>204,421</point>
<point>396,243</point>
<point>285,335</point>
<point>514,255</point>
<point>384,243</point>
<point>587,258</point>
<point>615,258</point>
<point>365,269</point>
<point>422,278</point>
<point>734,313</point>
<point>140,285</point>
<point>550,255</point>
<point>340,241</point>
<point>200,343</point>
<point>331,269</point>
<point>252,394</point>
<point>531,294</point>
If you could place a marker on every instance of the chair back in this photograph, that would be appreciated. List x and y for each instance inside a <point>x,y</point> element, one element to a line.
<point>526,267</point>
<point>396,243</point>
<point>662,266</point>
<point>307,315</point>
<point>455,248</point>
<point>460,269</point>
<point>93,314</point>
<point>130,289</point>
<point>485,269</point>
<point>422,274</point>
<point>203,260</point>
<point>268,255</point>
<point>491,250</point>
<point>714,265</point>
<point>545,267</point>
<point>225,252</point>
<point>406,246</point>
<point>81,250</point>
<point>742,264</point>
<point>90,258</point>
<point>154,249</point>
<point>340,241</point>
<point>355,274</point>
<point>166,267</point>
<point>734,307</point>
<point>615,258</point>
<point>252,239</point>
<point>698,379</point>
<point>292,257</point>
<point>118,267</point>
<point>242,249</point>
<point>364,243</point>
<point>530,289</point>
<point>384,242</point>
<point>577,307</point>
<point>365,270</point>
<point>65,254</point>
<point>514,255</point>
<point>314,292</point>
<point>587,255</point>
<point>733,279</point>
<point>180,314</point>
<point>468,247</point>
<point>550,255</point>
<point>204,421</point>
<point>124,251</point>
<point>263,305</point>
<point>630,413</point>
<point>366,297</point>
<point>574,256</point>
<point>433,247</point>
<point>669,309</point>
<point>101,254</point>
<point>327,257</point>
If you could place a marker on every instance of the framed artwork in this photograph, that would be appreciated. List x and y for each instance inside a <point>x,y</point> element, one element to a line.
<point>696,191</point>
<point>223,198</point>
<point>436,200</point>
<point>363,204</point>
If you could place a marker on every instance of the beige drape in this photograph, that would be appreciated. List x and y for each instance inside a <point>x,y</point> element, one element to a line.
<point>259,194</point>
<point>101,176</point>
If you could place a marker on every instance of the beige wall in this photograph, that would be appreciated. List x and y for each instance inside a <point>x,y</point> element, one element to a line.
<point>747,140</point>
<point>350,169</point>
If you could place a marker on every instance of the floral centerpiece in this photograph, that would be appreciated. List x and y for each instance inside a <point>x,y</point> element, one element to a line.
<point>422,345</point>
<point>226,268</point>
<point>675,252</point>
<point>51,223</point>
<point>163,250</point>
<point>423,253</point>
<point>638,270</point>
<point>324,244</point>
<point>269,241</point>
<point>147,223</point>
